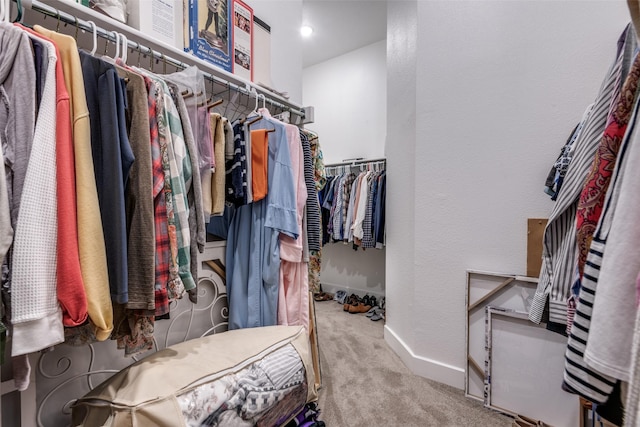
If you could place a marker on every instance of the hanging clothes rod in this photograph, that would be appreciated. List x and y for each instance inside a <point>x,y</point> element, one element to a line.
<point>355,162</point>
<point>67,18</point>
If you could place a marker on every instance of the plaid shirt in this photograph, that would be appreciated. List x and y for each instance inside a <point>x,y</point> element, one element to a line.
<point>181,174</point>
<point>163,250</point>
<point>175,288</point>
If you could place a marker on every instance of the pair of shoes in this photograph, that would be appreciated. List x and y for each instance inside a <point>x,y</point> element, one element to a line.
<point>352,300</point>
<point>375,314</point>
<point>340,296</point>
<point>322,296</point>
<point>373,310</point>
<point>359,307</point>
<point>369,300</point>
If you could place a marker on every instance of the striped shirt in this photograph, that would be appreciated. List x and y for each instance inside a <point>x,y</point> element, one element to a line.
<point>313,207</point>
<point>236,167</point>
<point>368,238</point>
<point>559,253</point>
<point>578,377</point>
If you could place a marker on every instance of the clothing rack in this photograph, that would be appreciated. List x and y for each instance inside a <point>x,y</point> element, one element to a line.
<point>348,164</point>
<point>249,89</point>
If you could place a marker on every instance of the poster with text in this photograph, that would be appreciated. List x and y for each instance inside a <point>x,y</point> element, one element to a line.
<point>209,31</point>
<point>242,40</point>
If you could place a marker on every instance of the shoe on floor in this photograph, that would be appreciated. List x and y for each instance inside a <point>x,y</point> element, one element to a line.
<point>359,308</point>
<point>379,315</point>
<point>322,296</point>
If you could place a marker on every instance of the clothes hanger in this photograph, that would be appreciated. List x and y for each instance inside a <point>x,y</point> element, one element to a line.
<point>117,55</point>
<point>20,9</point>
<point>255,110</point>
<point>139,52</point>
<point>125,48</point>
<point>75,36</point>
<point>214,104</point>
<point>95,37</point>
<point>210,102</point>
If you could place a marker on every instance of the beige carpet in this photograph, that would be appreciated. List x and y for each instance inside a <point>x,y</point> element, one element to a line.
<point>366,384</point>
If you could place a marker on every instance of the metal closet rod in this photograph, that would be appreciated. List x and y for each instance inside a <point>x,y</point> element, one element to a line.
<point>355,162</point>
<point>67,18</point>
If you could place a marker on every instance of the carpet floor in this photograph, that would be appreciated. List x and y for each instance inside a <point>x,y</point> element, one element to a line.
<point>364,383</point>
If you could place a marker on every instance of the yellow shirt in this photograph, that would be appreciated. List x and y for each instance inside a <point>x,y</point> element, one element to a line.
<point>93,258</point>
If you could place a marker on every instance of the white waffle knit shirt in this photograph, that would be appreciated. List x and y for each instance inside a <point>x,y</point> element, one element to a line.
<point>36,315</point>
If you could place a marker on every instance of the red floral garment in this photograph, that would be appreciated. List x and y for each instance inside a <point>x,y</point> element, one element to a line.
<point>597,182</point>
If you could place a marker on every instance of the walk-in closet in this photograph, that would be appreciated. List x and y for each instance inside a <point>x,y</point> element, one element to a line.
<point>319,213</point>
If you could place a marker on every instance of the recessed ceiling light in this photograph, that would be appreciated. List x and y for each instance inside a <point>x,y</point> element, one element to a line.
<point>306,30</point>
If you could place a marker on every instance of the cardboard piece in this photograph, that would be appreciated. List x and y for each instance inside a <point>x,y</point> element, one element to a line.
<point>535,235</point>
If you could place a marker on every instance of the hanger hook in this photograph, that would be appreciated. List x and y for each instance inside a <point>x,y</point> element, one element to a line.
<point>76,35</point>
<point>58,25</point>
<point>164,63</point>
<point>3,6</point>
<point>264,101</point>
<point>94,30</point>
<point>106,44</point>
<point>151,59</point>
<point>125,47</point>
<point>257,97</point>
<point>139,52</point>
<point>20,9</point>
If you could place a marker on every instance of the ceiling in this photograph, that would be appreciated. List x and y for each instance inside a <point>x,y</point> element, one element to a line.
<point>340,26</point>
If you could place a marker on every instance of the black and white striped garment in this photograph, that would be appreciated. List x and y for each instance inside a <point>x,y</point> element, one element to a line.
<point>559,251</point>
<point>632,406</point>
<point>368,236</point>
<point>313,207</point>
<point>578,376</point>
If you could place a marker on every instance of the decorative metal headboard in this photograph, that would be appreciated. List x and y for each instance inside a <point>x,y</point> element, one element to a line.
<point>69,372</point>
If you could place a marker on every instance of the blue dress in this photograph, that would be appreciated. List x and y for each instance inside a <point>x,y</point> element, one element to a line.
<point>253,247</point>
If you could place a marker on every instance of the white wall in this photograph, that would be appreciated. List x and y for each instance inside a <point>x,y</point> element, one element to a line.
<point>349,96</point>
<point>285,19</point>
<point>482,95</point>
<point>350,100</point>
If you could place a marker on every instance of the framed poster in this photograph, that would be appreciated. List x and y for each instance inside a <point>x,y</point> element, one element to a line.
<point>210,31</point>
<point>242,40</point>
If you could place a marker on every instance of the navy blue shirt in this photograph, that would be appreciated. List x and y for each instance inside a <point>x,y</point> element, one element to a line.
<point>112,160</point>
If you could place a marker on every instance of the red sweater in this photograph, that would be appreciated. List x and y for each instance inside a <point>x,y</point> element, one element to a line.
<point>69,283</point>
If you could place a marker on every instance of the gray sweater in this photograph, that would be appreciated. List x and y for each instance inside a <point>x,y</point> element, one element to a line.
<point>17,118</point>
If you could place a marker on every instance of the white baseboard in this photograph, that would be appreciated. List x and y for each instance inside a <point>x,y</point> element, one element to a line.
<point>431,369</point>
<point>333,288</point>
